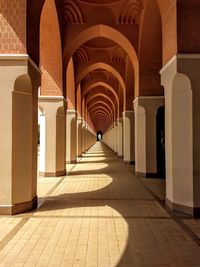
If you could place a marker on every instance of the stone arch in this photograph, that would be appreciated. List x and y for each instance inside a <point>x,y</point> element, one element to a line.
<point>100,110</point>
<point>105,66</point>
<point>104,96</point>
<point>103,104</point>
<point>103,84</point>
<point>50,51</point>
<point>150,51</point>
<point>70,85</point>
<point>100,113</point>
<point>108,32</point>
<point>103,108</point>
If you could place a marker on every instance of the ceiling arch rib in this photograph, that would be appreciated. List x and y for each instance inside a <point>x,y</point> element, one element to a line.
<point>101,30</point>
<point>103,104</point>
<point>104,66</point>
<point>105,116</point>
<point>102,109</point>
<point>105,97</point>
<point>102,118</point>
<point>103,84</point>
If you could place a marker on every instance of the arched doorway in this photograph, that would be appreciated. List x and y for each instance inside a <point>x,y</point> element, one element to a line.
<point>160,125</point>
<point>99,136</point>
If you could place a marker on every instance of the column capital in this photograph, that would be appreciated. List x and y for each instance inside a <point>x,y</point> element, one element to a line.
<point>150,104</point>
<point>187,64</point>
<point>52,104</point>
<point>51,99</point>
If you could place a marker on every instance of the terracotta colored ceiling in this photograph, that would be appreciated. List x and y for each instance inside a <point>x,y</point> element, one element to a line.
<point>76,16</point>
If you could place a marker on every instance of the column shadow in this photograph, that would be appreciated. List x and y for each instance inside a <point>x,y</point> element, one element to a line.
<point>130,201</point>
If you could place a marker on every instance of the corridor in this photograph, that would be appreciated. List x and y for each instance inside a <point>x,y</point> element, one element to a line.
<point>99,215</point>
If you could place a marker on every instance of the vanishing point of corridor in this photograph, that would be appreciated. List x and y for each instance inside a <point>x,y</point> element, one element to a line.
<point>99,215</point>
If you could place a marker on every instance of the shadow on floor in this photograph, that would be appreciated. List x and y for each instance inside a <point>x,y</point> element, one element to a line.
<point>129,198</point>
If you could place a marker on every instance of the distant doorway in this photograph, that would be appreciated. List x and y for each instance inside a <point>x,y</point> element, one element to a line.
<point>161,142</point>
<point>99,136</point>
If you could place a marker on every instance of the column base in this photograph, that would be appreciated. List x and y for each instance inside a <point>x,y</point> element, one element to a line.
<point>19,208</point>
<point>53,174</point>
<point>129,162</point>
<point>193,211</point>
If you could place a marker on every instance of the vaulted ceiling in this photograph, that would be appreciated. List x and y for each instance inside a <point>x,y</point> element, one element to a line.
<point>103,39</point>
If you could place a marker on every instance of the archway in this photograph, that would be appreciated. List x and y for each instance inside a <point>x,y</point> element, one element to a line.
<point>160,141</point>
<point>99,136</point>
<point>110,33</point>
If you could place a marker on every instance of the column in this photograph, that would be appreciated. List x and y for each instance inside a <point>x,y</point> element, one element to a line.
<point>79,137</point>
<point>71,137</point>
<point>120,137</point>
<point>86,137</point>
<point>146,109</point>
<point>115,129</point>
<point>129,137</point>
<point>19,80</point>
<point>52,136</point>
<point>83,137</point>
<point>181,81</point>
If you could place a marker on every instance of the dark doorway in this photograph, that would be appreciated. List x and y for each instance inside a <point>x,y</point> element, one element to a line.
<point>161,142</point>
<point>99,136</point>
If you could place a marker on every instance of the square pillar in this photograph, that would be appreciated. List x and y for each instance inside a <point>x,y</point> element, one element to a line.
<point>115,129</point>
<point>71,136</point>
<point>129,137</point>
<point>146,109</point>
<point>83,137</point>
<point>79,137</point>
<point>120,137</point>
<point>181,80</point>
<point>52,136</point>
<point>20,80</point>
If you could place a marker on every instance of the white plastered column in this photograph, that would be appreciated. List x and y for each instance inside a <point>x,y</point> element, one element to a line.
<point>181,80</point>
<point>145,134</point>
<point>83,137</point>
<point>129,137</point>
<point>19,82</point>
<point>120,137</point>
<point>108,138</point>
<point>91,138</point>
<point>115,129</point>
<point>52,136</point>
<point>79,136</point>
<point>71,136</point>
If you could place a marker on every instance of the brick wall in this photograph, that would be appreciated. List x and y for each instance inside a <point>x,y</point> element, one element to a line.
<point>188,26</point>
<point>169,28</point>
<point>13,26</point>
<point>50,51</point>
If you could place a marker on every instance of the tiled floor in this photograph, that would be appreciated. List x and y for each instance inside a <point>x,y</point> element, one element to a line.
<point>99,215</point>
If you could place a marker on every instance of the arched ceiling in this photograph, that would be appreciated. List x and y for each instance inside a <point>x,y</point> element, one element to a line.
<point>102,37</point>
